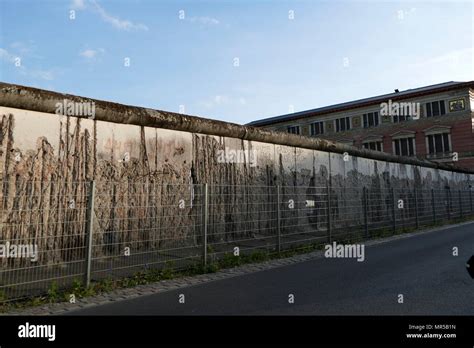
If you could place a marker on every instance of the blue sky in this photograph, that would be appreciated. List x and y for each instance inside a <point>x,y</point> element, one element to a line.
<point>328,52</point>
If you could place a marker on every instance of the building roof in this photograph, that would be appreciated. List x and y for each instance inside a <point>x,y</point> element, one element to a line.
<point>409,93</point>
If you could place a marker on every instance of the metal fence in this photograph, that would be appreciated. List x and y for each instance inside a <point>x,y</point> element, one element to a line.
<point>87,231</point>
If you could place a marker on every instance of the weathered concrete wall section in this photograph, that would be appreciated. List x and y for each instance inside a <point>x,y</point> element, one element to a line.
<point>33,99</point>
<point>142,172</point>
<point>138,170</point>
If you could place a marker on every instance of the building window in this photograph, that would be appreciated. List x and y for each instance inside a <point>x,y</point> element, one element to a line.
<point>456,105</point>
<point>294,129</point>
<point>317,128</point>
<point>371,119</point>
<point>404,146</point>
<point>373,145</point>
<point>435,108</point>
<point>343,124</point>
<point>439,144</point>
<point>401,118</point>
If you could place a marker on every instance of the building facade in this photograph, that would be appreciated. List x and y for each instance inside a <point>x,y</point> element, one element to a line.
<point>434,123</point>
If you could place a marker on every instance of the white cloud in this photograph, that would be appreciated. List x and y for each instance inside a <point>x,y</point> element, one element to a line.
<point>7,56</point>
<point>203,20</point>
<point>91,54</point>
<point>121,24</point>
<point>118,23</point>
<point>78,4</point>
<point>21,47</point>
<point>88,53</point>
<point>25,49</point>
<point>33,73</point>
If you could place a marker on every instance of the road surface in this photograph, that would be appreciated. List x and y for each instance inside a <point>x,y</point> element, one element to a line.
<point>422,268</point>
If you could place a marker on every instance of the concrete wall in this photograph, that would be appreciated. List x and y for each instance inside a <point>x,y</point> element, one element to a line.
<point>40,146</point>
<point>45,158</point>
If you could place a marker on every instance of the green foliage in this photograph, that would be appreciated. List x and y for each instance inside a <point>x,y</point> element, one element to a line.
<point>168,271</point>
<point>258,256</point>
<point>3,296</point>
<point>53,292</point>
<point>105,285</point>
<point>212,267</point>
<point>229,260</point>
<point>77,287</point>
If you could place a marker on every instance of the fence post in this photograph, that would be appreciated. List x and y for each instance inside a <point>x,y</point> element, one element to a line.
<point>206,218</point>
<point>394,216</point>
<point>460,203</point>
<point>433,206</point>
<point>328,189</point>
<point>278,219</point>
<point>366,223</point>
<point>89,232</point>
<point>416,211</point>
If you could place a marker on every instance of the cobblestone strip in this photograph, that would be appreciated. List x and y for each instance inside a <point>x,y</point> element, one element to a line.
<point>183,282</point>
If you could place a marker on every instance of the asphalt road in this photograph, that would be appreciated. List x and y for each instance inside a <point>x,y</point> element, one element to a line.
<point>422,268</point>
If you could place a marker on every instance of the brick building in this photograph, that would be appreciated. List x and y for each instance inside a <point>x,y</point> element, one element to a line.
<point>435,123</point>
